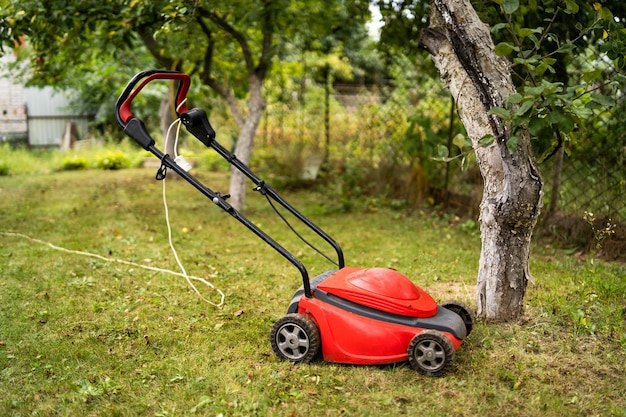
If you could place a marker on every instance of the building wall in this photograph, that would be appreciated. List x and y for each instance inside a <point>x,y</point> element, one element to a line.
<point>48,113</point>
<point>34,115</point>
<point>13,117</point>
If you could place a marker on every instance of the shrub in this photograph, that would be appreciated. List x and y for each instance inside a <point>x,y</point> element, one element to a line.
<point>4,169</point>
<point>74,163</point>
<point>113,160</point>
<point>212,161</point>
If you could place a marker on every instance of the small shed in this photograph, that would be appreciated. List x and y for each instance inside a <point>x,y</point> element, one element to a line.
<point>37,116</point>
<point>48,114</point>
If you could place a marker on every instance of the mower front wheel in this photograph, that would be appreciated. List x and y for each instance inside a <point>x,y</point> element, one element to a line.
<point>463,311</point>
<point>295,337</point>
<point>431,353</point>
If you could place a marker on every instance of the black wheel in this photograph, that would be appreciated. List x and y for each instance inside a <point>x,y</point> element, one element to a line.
<point>431,353</point>
<point>295,337</point>
<point>463,311</point>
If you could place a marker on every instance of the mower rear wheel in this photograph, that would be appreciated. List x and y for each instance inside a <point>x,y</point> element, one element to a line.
<point>431,353</point>
<point>463,311</point>
<point>295,337</point>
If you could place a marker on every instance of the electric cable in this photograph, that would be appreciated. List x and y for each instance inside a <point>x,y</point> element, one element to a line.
<point>184,274</point>
<point>328,258</point>
<point>121,261</point>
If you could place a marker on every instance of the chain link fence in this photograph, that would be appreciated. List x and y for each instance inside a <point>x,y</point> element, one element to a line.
<point>381,142</point>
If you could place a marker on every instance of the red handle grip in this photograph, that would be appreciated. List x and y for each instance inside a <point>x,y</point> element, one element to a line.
<point>123,111</point>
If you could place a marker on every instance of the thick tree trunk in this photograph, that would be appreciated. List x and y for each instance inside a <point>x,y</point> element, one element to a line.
<point>245,141</point>
<point>479,80</point>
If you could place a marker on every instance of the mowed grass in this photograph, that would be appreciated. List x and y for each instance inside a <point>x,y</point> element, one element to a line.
<point>80,336</point>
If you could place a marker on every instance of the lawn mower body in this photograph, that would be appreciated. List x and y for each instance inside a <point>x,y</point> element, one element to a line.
<point>368,316</point>
<point>363,316</point>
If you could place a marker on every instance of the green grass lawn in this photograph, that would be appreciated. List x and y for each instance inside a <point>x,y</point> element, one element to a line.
<point>79,336</point>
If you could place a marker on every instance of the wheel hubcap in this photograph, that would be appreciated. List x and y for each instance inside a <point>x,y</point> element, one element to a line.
<point>430,355</point>
<point>292,341</point>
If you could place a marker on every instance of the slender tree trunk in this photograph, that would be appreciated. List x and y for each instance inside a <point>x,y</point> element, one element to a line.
<point>167,118</point>
<point>479,80</point>
<point>245,141</point>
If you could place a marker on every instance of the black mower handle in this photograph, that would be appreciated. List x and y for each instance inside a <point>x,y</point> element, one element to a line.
<point>134,127</point>
<point>197,123</point>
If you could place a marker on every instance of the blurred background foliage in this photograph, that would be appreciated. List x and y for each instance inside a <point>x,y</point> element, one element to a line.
<point>352,107</point>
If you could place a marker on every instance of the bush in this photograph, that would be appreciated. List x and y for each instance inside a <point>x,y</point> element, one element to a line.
<point>73,163</point>
<point>212,161</point>
<point>113,160</point>
<point>4,169</point>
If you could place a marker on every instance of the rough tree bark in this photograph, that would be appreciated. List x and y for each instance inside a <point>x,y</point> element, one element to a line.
<point>479,80</point>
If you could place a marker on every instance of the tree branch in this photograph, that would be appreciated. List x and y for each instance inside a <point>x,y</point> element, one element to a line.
<point>208,79</point>
<point>268,31</point>
<point>238,36</point>
<point>154,48</point>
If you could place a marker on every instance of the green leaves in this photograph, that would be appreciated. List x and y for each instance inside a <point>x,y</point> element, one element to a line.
<point>524,108</point>
<point>442,152</point>
<point>505,48</point>
<point>571,7</point>
<point>545,103</point>
<point>603,100</point>
<point>510,6</point>
<point>542,104</point>
<point>561,119</point>
<point>502,113</point>
<point>486,140</point>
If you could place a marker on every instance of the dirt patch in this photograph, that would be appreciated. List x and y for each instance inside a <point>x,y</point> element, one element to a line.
<point>448,291</point>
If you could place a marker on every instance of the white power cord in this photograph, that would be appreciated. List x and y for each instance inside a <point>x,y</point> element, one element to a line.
<point>180,160</point>
<point>121,261</point>
<point>185,165</point>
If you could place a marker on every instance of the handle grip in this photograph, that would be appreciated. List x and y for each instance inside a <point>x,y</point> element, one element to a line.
<point>123,111</point>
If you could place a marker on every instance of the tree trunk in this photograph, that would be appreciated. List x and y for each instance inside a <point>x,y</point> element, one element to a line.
<point>167,118</point>
<point>479,80</point>
<point>243,149</point>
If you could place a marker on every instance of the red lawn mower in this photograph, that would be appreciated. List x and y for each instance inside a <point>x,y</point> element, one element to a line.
<point>364,316</point>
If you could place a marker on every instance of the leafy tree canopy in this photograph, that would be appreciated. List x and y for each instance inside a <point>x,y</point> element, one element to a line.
<point>221,42</point>
<point>567,59</point>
